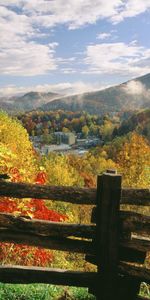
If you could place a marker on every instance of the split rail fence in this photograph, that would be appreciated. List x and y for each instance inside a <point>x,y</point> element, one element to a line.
<point>116,241</point>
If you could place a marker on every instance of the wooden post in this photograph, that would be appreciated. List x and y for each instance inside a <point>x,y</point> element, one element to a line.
<point>107,220</point>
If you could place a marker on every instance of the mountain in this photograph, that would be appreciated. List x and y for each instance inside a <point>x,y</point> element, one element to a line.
<point>27,102</point>
<point>131,95</point>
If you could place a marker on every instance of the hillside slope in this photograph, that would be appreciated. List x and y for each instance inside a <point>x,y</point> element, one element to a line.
<point>134,94</point>
<point>139,122</point>
<point>27,102</point>
<point>131,95</point>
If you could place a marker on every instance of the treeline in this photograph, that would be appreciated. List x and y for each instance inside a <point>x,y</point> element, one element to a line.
<point>40,123</point>
<point>105,127</point>
<point>139,122</point>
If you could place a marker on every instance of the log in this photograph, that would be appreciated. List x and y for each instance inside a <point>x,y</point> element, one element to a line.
<point>135,197</point>
<point>137,244</point>
<point>136,271</point>
<point>62,244</point>
<point>131,255</point>
<point>59,193</point>
<point>25,275</point>
<point>129,222</point>
<point>134,222</point>
<point>128,252</point>
<point>45,228</point>
<point>69,194</point>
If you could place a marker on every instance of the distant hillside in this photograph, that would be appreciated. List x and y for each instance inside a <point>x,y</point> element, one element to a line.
<point>139,122</point>
<point>131,95</point>
<point>134,94</point>
<point>27,102</point>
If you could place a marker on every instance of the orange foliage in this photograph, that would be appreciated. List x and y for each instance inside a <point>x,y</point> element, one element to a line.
<point>22,254</point>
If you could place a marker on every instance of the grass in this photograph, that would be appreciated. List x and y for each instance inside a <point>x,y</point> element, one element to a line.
<point>42,292</point>
<point>51,292</point>
<point>145,290</point>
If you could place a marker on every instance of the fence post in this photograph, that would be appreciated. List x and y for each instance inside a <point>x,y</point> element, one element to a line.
<point>107,221</point>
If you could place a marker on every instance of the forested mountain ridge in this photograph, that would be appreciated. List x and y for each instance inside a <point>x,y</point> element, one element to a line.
<point>26,102</point>
<point>131,95</point>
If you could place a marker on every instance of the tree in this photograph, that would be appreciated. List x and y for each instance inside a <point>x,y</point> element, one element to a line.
<point>65,130</point>
<point>14,141</point>
<point>106,130</point>
<point>59,171</point>
<point>134,162</point>
<point>85,130</point>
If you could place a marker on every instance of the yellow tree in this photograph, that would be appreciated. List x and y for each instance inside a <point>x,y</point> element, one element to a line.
<point>15,143</point>
<point>59,172</point>
<point>85,130</point>
<point>134,162</point>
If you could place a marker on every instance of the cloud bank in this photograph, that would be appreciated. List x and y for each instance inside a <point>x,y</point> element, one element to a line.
<point>23,23</point>
<point>64,88</point>
<point>117,58</point>
<point>136,88</point>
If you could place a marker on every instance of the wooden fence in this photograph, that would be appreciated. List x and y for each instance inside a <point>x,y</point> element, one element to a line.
<point>116,241</point>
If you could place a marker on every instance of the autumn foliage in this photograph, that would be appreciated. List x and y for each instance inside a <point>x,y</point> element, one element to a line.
<point>35,208</point>
<point>130,155</point>
<point>17,159</point>
<point>134,162</point>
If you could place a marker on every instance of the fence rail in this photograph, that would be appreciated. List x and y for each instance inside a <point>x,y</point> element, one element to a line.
<point>115,241</point>
<point>18,274</point>
<point>73,195</point>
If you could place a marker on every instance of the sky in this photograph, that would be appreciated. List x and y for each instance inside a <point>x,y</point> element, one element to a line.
<point>72,46</point>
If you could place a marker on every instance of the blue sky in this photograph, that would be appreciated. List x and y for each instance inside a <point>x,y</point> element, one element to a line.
<point>72,46</point>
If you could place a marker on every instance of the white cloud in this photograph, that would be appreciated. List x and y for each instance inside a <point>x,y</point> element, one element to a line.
<point>64,88</point>
<point>130,8</point>
<point>22,22</point>
<point>13,28</point>
<point>27,60</point>
<point>18,54</point>
<point>103,35</point>
<point>78,13</point>
<point>117,58</point>
<point>135,87</point>
<point>72,13</point>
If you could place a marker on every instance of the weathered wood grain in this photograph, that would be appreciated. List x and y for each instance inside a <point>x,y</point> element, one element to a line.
<point>19,274</point>
<point>62,244</point>
<point>134,222</point>
<point>59,193</point>
<point>135,196</point>
<point>125,254</point>
<point>45,228</point>
<point>136,243</point>
<point>69,194</point>
<point>129,221</point>
<point>137,271</point>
